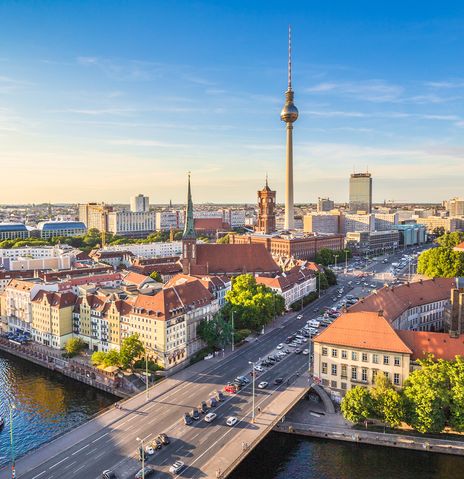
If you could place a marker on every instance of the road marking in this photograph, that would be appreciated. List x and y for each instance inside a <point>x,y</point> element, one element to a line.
<point>69,465</point>
<point>98,438</point>
<point>38,475</point>
<point>58,463</point>
<point>79,468</point>
<point>79,450</point>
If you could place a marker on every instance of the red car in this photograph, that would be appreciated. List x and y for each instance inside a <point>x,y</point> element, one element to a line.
<point>230,388</point>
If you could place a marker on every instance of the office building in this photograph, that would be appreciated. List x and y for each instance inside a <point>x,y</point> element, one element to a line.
<point>326,223</point>
<point>372,242</point>
<point>385,221</point>
<point>352,222</point>
<point>139,204</point>
<point>361,192</point>
<point>130,224</point>
<point>95,215</point>
<point>13,231</point>
<point>52,229</point>
<point>455,207</point>
<point>324,204</point>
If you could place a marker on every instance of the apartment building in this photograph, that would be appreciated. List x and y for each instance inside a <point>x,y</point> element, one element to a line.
<point>353,222</point>
<point>131,224</point>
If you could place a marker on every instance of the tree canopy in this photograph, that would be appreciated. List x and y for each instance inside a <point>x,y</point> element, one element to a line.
<point>74,346</point>
<point>216,332</point>
<point>131,350</point>
<point>357,405</point>
<point>326,256</point>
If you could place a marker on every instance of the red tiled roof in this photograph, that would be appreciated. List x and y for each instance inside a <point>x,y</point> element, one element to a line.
<point>287,280</point>
<point>233,259</point>
<point>364,330</point>
<point>210,224</point>
<point>394,300</point>
<point>441,345</point>
<point>57,300</point>
<point>137,279</point>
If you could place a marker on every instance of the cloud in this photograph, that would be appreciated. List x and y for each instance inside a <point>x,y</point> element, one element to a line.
<point>445,84</point>
<point>122,70</point>
<point>147,143</point>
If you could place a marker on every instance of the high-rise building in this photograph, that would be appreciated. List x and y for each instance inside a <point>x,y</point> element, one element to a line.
<point>361,192</point>
<point>455,207</point>
<point>95,215</point>
<point>325,223</point>
<point>139,204</point>
<point>266,216</point>
<point>324,204</point>
<point>289,115</point>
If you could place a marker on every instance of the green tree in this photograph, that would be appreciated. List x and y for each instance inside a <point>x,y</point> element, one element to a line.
<point>450,240</point>
<point>98,357</point>
<point>427,396</point>
<point>456,377</point>
<point>441,262</point>
<point>326,256</point>
<point>131,350</point>
<point>156,276</point>
<point>322,278</point>
<point>74,346</point>
<point>388,403</point>
<point>112,358</point>
<point>357,405</point>
<point>216,332</point>
<point>331,276</point>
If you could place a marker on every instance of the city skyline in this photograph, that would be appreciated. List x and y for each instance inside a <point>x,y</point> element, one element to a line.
<point>107,114</point>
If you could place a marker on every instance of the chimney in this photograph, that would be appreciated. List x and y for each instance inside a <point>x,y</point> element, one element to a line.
<point>380,313</point>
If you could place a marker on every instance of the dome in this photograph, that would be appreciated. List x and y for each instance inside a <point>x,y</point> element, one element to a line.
<point>289,113</point>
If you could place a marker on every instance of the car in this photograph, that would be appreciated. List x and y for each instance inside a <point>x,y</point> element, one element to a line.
<point>279,346</point>
<point>108,474</point>
<point>263,385</point>
<point>164,438</point>
<point>150,450</point>
<point>286,351</point>
<point>373,285</point>
<point>300,316</point>
<point>210,417</point>
<point>305,352</point>
<point>203,407</point>
<point>230,388</point>
<point>278,380</point>
<point>244,379</point>
<point>259,368</point>
<point>145,472</point>
<point>315,310</point>
<point>176,467</point>
<point>334,298</point>
<point>220,397</point>
<point>297,351</point>
<point>187,419</point>
<point>195,414</point>
<point>288,340</point>
<point>231,421</point>
<point>213,401</point>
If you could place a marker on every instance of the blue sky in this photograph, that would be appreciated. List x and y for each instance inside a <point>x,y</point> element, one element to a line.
<point>102,100</point>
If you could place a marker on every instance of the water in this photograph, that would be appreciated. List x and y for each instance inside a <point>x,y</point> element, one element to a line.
<point>283,456</point>
<point>47,404</point>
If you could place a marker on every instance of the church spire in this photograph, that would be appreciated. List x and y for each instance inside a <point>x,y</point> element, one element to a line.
<point>189,230</point>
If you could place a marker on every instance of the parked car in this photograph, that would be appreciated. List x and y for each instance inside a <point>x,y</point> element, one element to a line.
<point>195,414</point>
<point>263,385</point>
<point>231,421</point>
<point>176,467</point>
<point>164,438</point>
<point>230,388</point>
<point>300,316</point>
<point>279,346</point>
<point>259,368</point>
<point>210,417</point>
<point>150,450</point>
<point>278,380</point>
<point>219,396</point>
<point>305,352</point>
<point>244,379</point>
<point>213,401</point>
<point>156,443</point>
<point>297,351</point>
<point>187,419</point>
<point>203,407</point>
<point>108,474</point>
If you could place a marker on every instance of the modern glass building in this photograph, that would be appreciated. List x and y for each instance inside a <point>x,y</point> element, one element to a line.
<point>361,192</point>
<point>50,229</point>
<point>13,231</point>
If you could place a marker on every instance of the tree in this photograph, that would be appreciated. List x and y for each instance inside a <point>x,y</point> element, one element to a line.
<point>156,276</point>
<point>131,350</point>
<point>322,280</point>
<point>326,256</point>
<point>98,357</point>
<point>331,276</point>
<point>215,332</point>
<point>74,346</point>
<point>426,395</point>
<point>441,262</point>
<point>456,376</point>
<point>252,304</point>
<point>112,358</point>
<point>450,240</point>
<point>357,405</point>
<point>388,404</point>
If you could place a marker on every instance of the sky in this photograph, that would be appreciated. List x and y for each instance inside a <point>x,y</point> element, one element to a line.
<point>103,100</point>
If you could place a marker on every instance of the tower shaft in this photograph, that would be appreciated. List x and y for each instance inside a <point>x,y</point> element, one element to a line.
<point>289,212</point>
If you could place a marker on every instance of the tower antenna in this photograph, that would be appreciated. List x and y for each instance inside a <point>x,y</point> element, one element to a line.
<point>289,58</point>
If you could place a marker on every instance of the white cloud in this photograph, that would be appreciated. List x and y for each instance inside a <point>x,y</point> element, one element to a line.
<point>147,143</point>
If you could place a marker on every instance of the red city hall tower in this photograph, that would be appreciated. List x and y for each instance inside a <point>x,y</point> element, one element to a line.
<point>266,216</point>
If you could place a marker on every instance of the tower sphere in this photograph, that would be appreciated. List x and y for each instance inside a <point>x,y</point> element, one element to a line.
<point>289,113</point>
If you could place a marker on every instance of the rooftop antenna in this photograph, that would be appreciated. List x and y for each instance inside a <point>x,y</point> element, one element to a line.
<point>289,58</point>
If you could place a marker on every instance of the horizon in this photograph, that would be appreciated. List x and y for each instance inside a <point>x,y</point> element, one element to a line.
<point>150,92</point>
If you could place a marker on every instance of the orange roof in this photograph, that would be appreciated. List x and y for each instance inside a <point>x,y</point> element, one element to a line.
<point>137,278</point>
<point>210,224</point>
<point>459,247</point>
<point>287,280</point>
<point>233,259</point>
<point>395,300</point>
<point>441,345</point>
<point>58,300</point>
<point>364,330</point>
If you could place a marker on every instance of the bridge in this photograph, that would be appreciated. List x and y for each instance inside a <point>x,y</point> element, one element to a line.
<point>208,449</point>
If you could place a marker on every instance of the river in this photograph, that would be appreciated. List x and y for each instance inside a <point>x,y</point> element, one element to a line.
<point>48,404</point>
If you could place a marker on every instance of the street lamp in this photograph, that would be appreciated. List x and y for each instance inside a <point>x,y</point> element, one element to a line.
<point>346,260</point>
<point>142,449</point>
<point>13,465</point>
<point>253,364</point>
<point>232,321</point>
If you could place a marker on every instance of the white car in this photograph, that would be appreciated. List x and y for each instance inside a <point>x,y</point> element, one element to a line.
<point>176,467</point>
<point>259,369</point>
<point>300,316</point>
<point>305,352</point>
<point>262,385</point>
<point>280,346</point>
<point>210,417</point>
<point>231,421</point>
<point>149,450</point>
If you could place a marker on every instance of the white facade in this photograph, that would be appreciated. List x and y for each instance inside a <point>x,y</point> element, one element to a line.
<point>385,221</point>
<point>139,204</point>
<point>24,264</point>
<point>321,223</point>
<point>167,220</point>
<point>354,222</point>
<point>427,317</point>
<point>149,250</point>
<point>128,223</point>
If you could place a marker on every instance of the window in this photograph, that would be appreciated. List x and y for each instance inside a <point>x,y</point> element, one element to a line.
<point>334,369</point>
<point>396,379</point>
<point>364,375</point>
<point>334,353</point>
<point>387,375</point>
<point>397,360</point>
<point>364,357</point>
<point>324,368</point>
<point>374,375</point>
<point>344,354</point>
<point>354,355</point>
<point>343,385</point>
<point>325,382</point>
<point>354,374</point>
<point>344,374</point>
<point>324,351</point>
<point>333,384</point>
<point>386,360</point>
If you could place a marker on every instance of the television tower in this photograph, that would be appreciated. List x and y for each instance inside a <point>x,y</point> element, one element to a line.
<point>289,114</point>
